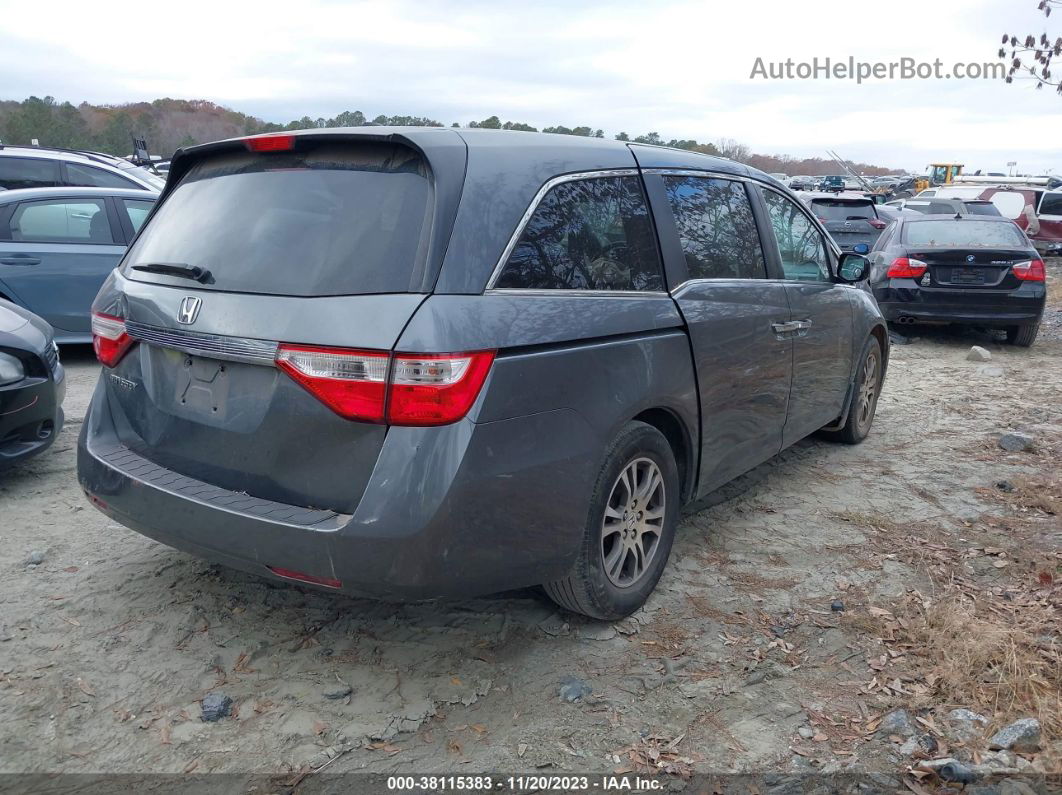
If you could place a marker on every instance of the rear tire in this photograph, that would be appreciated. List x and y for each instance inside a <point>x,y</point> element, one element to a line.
<point>629,530</point>
<point>1022,336</point>
<point>864,400</point>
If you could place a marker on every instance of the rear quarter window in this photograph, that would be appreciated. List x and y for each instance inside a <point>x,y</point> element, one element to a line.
<point>28,172</point>
<point>331,220</point>
<point>587,234</point>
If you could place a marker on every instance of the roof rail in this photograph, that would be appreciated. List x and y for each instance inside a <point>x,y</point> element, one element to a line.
<point>100,157</point>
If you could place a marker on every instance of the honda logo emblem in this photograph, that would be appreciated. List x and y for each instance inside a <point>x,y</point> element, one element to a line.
<point>189,310</point>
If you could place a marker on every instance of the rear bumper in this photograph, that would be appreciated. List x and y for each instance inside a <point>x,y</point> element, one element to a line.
<point>454,511</point>
<point>31,416</point>
<point>901,299</point>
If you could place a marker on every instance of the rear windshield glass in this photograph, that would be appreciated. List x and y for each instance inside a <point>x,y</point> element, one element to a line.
<point>965,234</point>
<point>982,208</point>
<point>333,220</point>
<point>842,211</point>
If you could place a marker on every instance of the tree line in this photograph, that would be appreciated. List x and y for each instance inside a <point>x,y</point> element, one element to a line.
<point>168,124</point>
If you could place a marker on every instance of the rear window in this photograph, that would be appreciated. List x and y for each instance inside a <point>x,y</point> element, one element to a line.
<point>964,234</point>
<point>333,220</point>
<point>842,211</point>
<point>982,208</point>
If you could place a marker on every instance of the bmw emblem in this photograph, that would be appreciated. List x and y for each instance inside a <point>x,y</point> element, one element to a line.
<point>970,257</point>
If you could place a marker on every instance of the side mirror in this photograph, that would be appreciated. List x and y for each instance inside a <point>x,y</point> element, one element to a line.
<point>861,248</point>
<point>853,268</point>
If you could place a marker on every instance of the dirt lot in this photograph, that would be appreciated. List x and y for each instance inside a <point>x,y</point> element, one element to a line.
<point>945,550</point>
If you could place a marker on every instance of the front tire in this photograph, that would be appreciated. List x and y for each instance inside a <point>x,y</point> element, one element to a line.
<point>864,401</point>
<point>629,530</point>
<point>1022,336</point>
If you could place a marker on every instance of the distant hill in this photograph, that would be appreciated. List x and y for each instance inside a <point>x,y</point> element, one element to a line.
<point>168,124</point>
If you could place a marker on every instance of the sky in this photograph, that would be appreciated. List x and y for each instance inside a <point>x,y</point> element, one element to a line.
<point>682,69</point>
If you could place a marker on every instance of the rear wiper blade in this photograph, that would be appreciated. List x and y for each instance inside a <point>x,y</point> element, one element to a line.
<point>180,269</point>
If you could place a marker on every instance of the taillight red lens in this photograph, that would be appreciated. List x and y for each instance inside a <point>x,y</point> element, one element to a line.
<point>371,386</point>
<point>435,389</point>
<point>109,338</point>
<point>271,143</point>
<point>1031,271</point>
<point>906,268</point>
<point>877,223</point>
<point>351,383</point>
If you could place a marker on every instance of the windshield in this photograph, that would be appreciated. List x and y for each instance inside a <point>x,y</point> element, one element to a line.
<point>964,234</point>
<point>333,220</point>
<point>842,211</point>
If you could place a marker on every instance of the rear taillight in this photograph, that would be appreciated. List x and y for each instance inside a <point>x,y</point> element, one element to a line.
<point>1031,271</point>
<point>351,383</point>
<point>109,338</point>
<point>271,143</point>
<point>906,268</point>
<point>435,389</point>
<point>372,386</point>
<point>877,223</point>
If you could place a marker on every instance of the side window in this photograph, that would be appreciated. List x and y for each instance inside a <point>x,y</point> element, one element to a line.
<point>92,177</point>
<point>1051,204</point>
<point>588,234</point>
<point>137,211</point>
<point>801,246</point>
<point>62,221</point>
<point>28,172</point>
<point>716,228</point>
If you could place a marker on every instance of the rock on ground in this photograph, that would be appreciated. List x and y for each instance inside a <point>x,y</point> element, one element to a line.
<point>1015,442</point>
<point>1021,736</point>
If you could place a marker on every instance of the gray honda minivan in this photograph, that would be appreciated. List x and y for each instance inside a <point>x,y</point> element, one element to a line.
<point>411,363</point>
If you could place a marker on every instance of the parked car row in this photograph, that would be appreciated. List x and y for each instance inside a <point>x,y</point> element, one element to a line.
<point>66,218</point>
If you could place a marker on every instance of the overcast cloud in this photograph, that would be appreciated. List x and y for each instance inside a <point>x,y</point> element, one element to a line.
<point>681,69</point>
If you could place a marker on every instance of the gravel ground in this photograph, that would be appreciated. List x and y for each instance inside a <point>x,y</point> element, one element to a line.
<point>738,662</point>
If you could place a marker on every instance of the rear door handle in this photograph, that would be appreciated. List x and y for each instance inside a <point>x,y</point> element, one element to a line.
<point>16,260</point>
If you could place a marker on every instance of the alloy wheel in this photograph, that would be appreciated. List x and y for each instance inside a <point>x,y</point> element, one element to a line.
<point>633,522</point>
<point>868,391</point>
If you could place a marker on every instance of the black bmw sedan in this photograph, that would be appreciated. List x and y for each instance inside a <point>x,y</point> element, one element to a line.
<point>970,270</point>
<point>32,385</point>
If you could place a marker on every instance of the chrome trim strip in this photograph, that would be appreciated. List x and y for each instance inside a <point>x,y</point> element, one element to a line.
<point>681,287</point>
<point>700,172</point>
<point>549,185</point>
<point>578,293</point>
<point>214,346</point>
